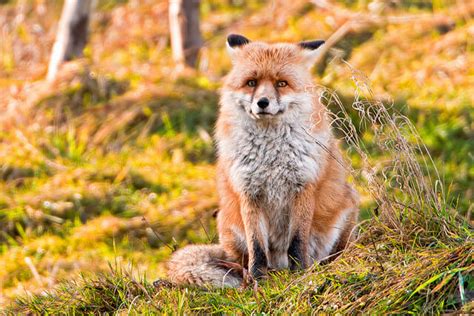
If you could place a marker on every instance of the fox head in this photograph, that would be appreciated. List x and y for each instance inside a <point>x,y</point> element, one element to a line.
<point>269,81</point>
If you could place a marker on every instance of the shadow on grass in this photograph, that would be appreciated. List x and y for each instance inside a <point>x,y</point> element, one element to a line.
<point>105,116</point>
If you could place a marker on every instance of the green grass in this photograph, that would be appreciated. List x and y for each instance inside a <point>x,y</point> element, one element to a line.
<point>407,280</point>
<point>103,174</point>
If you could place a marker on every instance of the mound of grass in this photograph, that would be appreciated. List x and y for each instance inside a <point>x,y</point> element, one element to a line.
<point>380,273</point>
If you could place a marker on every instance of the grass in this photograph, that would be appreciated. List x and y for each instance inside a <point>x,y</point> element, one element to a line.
<point>108,170</point>
<point>407,280</point>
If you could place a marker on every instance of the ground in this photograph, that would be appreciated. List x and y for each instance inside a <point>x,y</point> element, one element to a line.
<point>106,171</point>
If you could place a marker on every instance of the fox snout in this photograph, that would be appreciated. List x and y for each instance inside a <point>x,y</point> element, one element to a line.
<point>265,107</point>
<point>265,101</point>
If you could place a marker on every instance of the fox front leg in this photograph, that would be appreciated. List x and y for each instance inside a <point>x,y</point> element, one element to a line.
<point>258,262</point>
<point>298,252</point>
<point>256,237</point>
<point>302,215</point>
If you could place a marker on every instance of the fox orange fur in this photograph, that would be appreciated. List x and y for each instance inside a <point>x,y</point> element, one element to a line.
<point>283,195</point>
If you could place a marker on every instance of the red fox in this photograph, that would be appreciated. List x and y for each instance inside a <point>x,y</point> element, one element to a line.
<point>283,196</point>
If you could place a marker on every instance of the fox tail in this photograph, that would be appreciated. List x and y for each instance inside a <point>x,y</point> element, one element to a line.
<point>204,265</point>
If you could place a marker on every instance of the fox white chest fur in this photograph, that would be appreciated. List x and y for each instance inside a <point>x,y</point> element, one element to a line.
<point>271,160</point>
<point>270,163</point>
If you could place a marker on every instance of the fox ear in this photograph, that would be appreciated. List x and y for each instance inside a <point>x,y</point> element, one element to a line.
<point>234,42</point>
<point>311,51</point>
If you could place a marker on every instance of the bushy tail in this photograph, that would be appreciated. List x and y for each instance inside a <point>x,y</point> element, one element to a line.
<point>203,265</point>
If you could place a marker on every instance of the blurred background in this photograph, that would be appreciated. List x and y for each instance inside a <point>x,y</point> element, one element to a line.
<point>106,150</point>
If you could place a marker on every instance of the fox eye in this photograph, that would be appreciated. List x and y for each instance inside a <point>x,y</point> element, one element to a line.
<point>252,83</point>
<point>281,84</point>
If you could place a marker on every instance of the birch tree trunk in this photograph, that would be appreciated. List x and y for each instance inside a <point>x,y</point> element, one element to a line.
<point>185,33</point>
<point>71,37</point>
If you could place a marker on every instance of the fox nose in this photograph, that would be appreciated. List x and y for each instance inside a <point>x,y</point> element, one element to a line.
<point>263,103</point>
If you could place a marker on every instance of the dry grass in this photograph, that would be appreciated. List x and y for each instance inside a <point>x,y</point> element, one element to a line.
<point>406,187</point>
